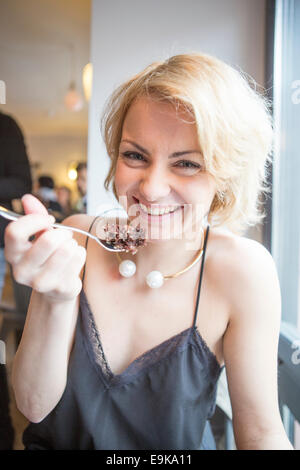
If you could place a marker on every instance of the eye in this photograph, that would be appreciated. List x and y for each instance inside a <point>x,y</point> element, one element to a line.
<point>187,164</point>
<point>133,156</point>
<point>183,164</point>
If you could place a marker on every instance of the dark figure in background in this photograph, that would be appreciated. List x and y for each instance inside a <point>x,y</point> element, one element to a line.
<point>81,204</point>
<point>15,180</point>
<point>47,195</point>
<point>64,199</point>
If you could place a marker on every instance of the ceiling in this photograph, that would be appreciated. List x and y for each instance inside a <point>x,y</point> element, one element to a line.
<point>44,44</point>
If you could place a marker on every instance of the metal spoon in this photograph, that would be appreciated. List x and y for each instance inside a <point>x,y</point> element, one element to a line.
<point>10,215</point>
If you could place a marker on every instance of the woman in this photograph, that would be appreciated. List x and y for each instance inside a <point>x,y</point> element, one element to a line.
<point>188,133</point>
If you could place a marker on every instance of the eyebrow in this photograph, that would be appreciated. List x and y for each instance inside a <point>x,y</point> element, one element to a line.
<point>173,155</point>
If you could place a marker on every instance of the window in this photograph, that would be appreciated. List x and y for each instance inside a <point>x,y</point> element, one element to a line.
<point>285,231</point>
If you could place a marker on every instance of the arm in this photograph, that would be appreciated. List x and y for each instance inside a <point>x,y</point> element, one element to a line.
<point>251,346</point>
<point>40,365</point>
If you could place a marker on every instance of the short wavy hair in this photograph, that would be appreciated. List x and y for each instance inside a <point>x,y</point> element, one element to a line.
<point>233,122</point>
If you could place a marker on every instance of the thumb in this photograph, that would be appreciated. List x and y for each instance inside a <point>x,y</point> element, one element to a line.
<point>32,205</point>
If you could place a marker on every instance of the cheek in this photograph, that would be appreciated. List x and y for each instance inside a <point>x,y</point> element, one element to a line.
<point>208,187</point>
<point>199,190</point>
<point>200,193</point>
<point>123,177</point>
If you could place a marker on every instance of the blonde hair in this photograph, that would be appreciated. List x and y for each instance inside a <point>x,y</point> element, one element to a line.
<point>233,123</point>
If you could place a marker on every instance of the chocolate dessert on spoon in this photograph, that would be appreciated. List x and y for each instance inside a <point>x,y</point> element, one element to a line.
<point>118,237</point>
<point>122,237</point>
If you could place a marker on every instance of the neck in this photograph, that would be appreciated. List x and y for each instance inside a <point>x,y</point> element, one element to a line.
<point>166,256</point>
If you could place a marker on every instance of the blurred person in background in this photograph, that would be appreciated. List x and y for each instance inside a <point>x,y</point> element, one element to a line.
<point>15,180</point>
<point>64,198</point>
<point>47,195</point>
<point>81,204</point>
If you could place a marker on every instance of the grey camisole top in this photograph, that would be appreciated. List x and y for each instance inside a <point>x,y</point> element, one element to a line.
<point>162,401</point>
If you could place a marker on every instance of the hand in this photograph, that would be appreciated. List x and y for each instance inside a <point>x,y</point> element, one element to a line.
<point>50,264</point>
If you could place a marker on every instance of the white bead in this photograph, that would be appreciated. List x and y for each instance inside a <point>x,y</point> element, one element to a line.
<point>127,268</point>
<point>155,279</point>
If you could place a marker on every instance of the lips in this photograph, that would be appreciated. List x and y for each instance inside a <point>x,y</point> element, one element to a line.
<point>159,206</point>
<point>156,217</point>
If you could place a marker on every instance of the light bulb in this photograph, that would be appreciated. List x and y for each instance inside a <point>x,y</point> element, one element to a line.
<point>72,174</point>
<point>73,100</point>
<point>87,80</point>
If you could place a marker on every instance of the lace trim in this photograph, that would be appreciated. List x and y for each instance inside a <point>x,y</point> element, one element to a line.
<point>156,354</point>
<point>93,336</point>
<point>148,358</point>
<point>203,345</point>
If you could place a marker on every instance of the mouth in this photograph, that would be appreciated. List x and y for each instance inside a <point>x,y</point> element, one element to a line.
<point>156,213</point>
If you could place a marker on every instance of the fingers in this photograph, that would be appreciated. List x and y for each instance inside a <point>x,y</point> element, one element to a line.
<point>33,205</point>
<point>45,246</point>
<point>18,232</point>
<point>52,263</point>
<point>41,251</point>
<point>60,274</point>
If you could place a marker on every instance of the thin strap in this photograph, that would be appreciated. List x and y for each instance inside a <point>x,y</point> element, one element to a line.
<point>86,244</point>
<point>201,273</point>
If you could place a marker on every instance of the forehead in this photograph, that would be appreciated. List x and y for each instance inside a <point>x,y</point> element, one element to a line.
<point>160,118</point>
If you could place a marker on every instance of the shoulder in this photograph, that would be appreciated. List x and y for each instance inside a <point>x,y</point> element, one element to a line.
<point>245,257</point>
<point>6,118</point>
<point>81,221</point>
<point>246,272</point>
<point>9,124</point>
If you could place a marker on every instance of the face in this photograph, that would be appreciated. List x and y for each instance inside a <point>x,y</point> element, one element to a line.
<point>160,165</point>
<point>82,181</point>
<point>63,195</point>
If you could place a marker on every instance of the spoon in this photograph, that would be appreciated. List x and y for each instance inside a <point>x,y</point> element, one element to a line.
<point>10,215</point>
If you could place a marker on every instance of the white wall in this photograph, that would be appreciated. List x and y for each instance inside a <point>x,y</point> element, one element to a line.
<point>43,46</point>
<point>128,35</point>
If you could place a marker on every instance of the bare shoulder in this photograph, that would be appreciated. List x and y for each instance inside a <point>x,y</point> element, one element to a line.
<point>241,253</point>
<point>81,221</point>
<point>244,268</point>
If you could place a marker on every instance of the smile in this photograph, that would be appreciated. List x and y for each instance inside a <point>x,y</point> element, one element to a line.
<point>156,212</point>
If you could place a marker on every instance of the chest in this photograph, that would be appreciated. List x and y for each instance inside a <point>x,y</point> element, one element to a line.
<point>132,321</point>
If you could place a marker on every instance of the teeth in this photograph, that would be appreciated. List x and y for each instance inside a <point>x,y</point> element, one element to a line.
<point>157,211</point>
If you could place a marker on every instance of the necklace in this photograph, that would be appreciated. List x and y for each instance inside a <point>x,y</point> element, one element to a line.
<point>155,279</point>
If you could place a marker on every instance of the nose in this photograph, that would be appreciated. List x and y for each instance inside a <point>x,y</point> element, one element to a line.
<point>154,185</point>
